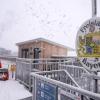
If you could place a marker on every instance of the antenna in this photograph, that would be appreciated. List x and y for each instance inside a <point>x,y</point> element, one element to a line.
<point>94,8</point>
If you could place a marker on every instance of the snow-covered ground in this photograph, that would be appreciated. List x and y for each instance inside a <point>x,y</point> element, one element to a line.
<point>13,90</point>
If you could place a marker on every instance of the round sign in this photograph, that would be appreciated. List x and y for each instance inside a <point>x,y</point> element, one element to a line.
<point>88,43</point>
<point>88,39</point>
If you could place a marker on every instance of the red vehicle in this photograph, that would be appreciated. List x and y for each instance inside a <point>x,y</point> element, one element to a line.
<point>0,64</point>
<point>4,75</point>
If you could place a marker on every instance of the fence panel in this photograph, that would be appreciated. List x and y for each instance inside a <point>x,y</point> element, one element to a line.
<point>26,66</point>
<point>65,91</point>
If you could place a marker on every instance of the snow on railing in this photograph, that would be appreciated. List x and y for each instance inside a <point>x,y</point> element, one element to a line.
<point>25,66</point>
<point>42,83</point>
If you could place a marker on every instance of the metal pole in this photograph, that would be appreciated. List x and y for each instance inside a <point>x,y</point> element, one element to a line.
<point>96,83</point>
<point>94,8</point>
<point>96,86</point>
<point>94,13</point>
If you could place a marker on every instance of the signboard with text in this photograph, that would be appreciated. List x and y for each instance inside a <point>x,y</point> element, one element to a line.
<point>46,91</point>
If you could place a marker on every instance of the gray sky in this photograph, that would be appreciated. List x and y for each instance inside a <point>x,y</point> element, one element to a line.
<point>56,20</point>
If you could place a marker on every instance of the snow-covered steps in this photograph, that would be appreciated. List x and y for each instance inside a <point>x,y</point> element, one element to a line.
<point>13,90</point>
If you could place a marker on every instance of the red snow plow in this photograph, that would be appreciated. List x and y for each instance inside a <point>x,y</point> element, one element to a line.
<point>4,74</point>
<point>0,64</point>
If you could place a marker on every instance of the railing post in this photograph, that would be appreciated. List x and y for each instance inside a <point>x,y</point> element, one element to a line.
<point>30,78</point>
<point>34,88</point>
<point>22,69</point>
<point>96,84</point>
<point>16,73</point>
<point>46,66</point>
<point>82,97</point>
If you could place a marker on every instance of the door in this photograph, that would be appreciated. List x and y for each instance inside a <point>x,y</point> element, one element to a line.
<point>37,53</point>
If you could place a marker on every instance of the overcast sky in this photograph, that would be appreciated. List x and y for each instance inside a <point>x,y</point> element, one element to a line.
<point>56,20</point>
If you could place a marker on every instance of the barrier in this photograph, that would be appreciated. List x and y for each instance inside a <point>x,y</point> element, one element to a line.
<point>64,90</point>
<point>64,78</point>
<point>25,66</point>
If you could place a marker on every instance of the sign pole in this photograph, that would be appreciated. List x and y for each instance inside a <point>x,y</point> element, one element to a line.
<point>94,8</point>
<point>94,14</point>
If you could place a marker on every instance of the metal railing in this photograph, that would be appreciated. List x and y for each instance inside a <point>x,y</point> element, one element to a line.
<point>55,82</point>
<point>61,75</point>
<point>23,70</point>
<point>77,73</point>
<point>84,79</point>
<point>67,78</point>
<point>26,66</point>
